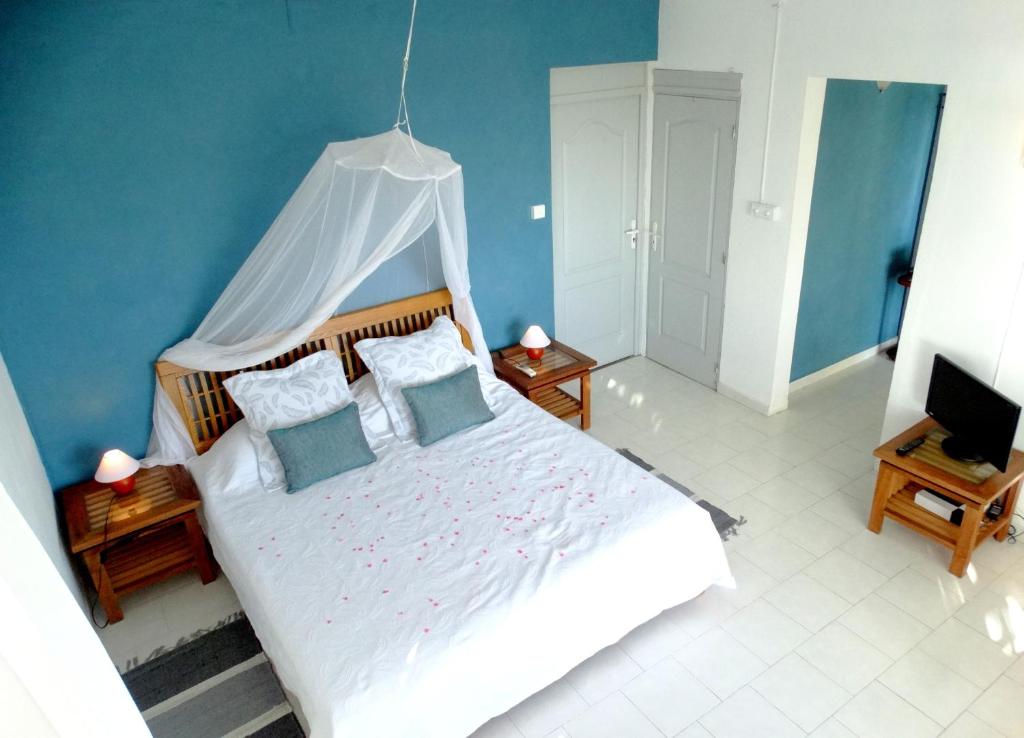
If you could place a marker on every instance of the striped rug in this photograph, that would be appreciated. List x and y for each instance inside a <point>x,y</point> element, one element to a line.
<point>220,684</point>
<point>725,523</point>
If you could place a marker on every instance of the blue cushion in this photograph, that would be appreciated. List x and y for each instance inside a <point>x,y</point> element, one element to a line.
<point>322,448</point>
<point>447,405</point>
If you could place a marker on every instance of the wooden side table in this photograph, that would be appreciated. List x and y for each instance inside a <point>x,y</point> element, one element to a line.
<point>560,364</point>
<point>974,486</point>
<point>131,541</point>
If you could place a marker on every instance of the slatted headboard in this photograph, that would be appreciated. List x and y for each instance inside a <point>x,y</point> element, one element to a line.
<point>207,408</point>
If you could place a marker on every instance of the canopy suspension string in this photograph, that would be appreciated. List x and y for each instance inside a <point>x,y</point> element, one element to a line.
<point>403,108</point>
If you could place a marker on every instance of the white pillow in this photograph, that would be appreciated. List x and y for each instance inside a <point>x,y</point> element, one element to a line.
<point>401,361</point>
<point>372,414</point>
<point>308,389</point>
<point>228,468</point>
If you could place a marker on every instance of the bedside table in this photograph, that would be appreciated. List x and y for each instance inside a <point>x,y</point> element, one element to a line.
<point>560,364</point>
<point>148,535</point>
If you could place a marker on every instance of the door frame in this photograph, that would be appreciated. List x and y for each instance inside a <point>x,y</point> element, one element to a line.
<point>646,80</point>
<point>686,83</point>
<point>609,82</point>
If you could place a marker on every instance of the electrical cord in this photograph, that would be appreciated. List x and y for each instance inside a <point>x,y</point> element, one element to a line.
<point>1011,534</point>
<point>103,552</point>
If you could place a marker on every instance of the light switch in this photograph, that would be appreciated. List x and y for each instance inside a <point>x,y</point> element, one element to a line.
<point>538,212</point>
<point>764,210</point>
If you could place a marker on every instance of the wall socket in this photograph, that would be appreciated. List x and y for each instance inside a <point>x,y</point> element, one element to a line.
<point>538,212</point>
<point>764,210</point>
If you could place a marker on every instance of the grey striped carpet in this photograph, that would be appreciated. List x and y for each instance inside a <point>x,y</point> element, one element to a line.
<point>725,523</point>
<point>220,684</point>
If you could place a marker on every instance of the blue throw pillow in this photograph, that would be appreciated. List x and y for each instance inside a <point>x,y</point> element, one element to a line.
<point>448,405</point>
<point>322,448</point>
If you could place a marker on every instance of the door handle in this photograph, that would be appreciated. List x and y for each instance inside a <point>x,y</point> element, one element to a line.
<point>632,232</point>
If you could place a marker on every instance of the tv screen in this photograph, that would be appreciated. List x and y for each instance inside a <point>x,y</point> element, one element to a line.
<point>983,422</point>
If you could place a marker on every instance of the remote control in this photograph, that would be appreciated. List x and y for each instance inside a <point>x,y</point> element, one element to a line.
<point>909,446</point>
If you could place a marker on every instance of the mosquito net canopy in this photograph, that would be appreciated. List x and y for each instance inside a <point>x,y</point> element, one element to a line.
<point>361,203</point>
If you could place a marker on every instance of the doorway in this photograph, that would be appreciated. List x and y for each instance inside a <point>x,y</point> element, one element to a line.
<point>642,177</point>
<point>876,151</point>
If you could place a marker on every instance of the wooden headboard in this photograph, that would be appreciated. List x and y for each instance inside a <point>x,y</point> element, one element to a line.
<point>208,410</point>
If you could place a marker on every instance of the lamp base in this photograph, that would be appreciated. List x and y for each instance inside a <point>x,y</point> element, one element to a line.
<point>123,486</point>
<point>535,353</point>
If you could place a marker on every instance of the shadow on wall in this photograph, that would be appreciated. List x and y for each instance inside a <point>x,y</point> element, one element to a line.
<point>894,295</point>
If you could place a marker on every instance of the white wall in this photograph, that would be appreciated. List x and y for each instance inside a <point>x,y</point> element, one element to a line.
<point>22,473</point>
<point>972,244</point>
<point>56,679</point>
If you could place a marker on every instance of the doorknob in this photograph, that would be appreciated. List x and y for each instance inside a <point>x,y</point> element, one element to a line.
<point>632,232</point>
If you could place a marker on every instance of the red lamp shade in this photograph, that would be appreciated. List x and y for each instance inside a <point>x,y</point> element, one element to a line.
<point>117,469</point>
<point>534,341</point>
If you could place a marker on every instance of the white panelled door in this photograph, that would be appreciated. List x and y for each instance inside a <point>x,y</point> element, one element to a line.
<point>595,164</point>
<point>694,152</point>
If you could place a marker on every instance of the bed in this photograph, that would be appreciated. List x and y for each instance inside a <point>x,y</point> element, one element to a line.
<point>440,586</point>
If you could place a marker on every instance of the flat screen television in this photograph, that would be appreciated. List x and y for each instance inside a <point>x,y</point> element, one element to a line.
<point>982,422</point>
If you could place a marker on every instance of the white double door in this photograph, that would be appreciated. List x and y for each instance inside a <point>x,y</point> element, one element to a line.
<point>606,239</point>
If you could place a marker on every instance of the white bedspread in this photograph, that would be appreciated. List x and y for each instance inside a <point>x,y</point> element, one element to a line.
<point>438,587</point>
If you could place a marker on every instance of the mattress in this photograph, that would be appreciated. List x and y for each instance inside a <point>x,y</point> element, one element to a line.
<point>441,586</point>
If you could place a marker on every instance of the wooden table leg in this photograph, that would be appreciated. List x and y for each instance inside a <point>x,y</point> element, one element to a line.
<point>585,401</point>
<point>198,541</point>
<point>100,580</point>
<point>965,543</point>
<point>1008,504</point>
<point>888,483</point>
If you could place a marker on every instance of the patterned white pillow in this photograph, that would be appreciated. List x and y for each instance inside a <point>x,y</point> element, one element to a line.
<point>308,389</point>
<point>401,361</point>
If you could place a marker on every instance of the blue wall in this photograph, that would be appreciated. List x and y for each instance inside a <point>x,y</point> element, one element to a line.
<point>146,146</point>
<point>872,162</point>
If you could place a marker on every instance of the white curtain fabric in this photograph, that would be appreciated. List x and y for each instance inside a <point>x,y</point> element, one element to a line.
<point>361,203</point>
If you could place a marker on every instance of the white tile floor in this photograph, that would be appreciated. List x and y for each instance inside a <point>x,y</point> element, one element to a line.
<point>831,631</point>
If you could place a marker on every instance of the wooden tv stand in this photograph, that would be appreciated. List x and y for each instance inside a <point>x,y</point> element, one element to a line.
<point>900,478</point>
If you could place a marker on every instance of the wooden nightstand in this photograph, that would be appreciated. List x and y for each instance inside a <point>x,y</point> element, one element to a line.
<point>560,364</point>
<point>131,541</point>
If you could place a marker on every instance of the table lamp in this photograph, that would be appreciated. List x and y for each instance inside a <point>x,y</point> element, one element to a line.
<point>118,470</point>
<point>534,341</point>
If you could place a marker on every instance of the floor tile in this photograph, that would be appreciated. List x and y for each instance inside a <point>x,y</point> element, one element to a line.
<point>706,451</point>
<point>726,481</point>
<point>766,631</point>
<point>722,663</point>
<point>878,712</point>
<point>792,448</point>
<point>499,727</point>
<point>760,464</point>
<point>997,617</point>
<point>809,603</point>
<point>822,431</point>
<point>670,696</point>
<point>784,495</point>
<point>844,510</point>
<point>676,465</point>
<point>862,487</point>
<point>832,728</point>
<point>845,575</point>
<point>613,717</point>
<point>1016,671</point>
<point>1001,706</point>
<point>652,641</point>
<point>846,658</point>
<point>695,731</point>
<point>804,694</point>
<point>739,436</point>
<point>817,478</point>
<point>747,714</point>
<point>968,726</point>
<point>776,555</point>
<point>884,626</point>
<point>602,674</point>
<point>928,685</point>
<point>847,460</point>
<point>760,518</point>
<point>880,552</point>
<point>812,532</point>
<point>702,613</point>
<point>968,653</point>
<point>921,597</point>
<point>554,705</point>
<point>751,581</point>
